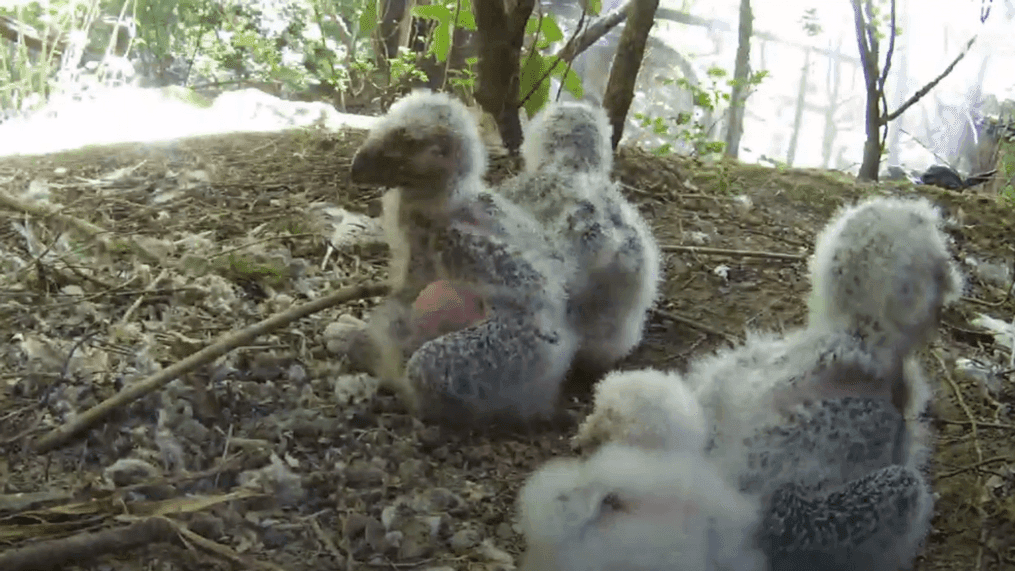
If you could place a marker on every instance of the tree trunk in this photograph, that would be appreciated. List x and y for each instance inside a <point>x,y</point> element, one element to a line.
<point>500,37</point>
<point>627,63</point>
<point>395,19</point>
<point>868,45</point>
<point>741,73</point>
<point>801,102</point>
<point>832,85</point>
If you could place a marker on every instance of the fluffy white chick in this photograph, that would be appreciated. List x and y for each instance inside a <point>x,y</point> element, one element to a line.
<point>445,226</point>
<point>616,260</point>
<point>626,508</point>
<point>647,408</point>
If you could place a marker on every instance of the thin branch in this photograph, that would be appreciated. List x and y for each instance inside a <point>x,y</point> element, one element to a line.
<point>673,316</point>
<point>861,39</point>
<point>872,38</point>
<point>549,70</point>
<point>975,466</point>
<point>534,49</point>
<point>567,68</point>
<point>926,88</point>
<point>85,227</point>
<point>79,549</point>
<point>962,404</point>
<point>222,346</point>
<point>451,47</point>
<point>737,253</point>
<point>891,49</point>
<point>976,442</point>
<point>582,39</point>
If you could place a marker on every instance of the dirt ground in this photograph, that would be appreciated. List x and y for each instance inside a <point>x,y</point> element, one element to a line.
<point>264,460</point>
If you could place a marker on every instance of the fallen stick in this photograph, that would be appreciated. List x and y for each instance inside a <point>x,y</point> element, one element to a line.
<point>58,554</point>
<point>740,253</point>
<point>94,231</point>
<point>673,316</point>
<point>230,341</point>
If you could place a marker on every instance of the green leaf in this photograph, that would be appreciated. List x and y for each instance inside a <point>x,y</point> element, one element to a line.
<point>594,6</point>
<point>466,17</point>
<point>659,126</point>
<point>245,39</point>
<point>530,26</point>
<point>550,30</point>
<point>442,31</point>
<point>368,19</point>
<point>466,20</point>
<point>442,41</point>
<point>533,69</point>
<point>571,80</point>
<point>432,12</point>
<point>715,146</point>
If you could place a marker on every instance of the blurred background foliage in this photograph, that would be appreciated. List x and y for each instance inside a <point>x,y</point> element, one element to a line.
<point>297,49</point>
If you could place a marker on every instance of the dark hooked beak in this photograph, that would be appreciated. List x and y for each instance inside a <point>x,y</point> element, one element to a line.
<point>364,164</point>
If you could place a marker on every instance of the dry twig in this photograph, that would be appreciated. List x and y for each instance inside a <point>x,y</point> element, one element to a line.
<point>740,253</point>
<point>85,227</point>
<point>78,549</point>
<point>975,466</point>
<point>976,443</point>
<point>672,316</point>
<point>225,344</point>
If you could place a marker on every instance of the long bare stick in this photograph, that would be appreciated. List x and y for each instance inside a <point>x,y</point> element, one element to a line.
<point>225,344</point>
<point>85,227</point>
<point>734,253</point>
<point>926,88</point>
<point>79,549</point>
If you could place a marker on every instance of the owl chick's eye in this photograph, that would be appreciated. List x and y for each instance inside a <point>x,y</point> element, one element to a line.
<point>612,502</point>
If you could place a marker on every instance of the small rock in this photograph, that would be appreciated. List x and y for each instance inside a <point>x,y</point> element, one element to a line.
<point>274,539</point>
<point>207,525</point>
<point>464,540</point>
<point>430,438</point>
<point>376,537</point>
<point>439,525</point>
<point>276,480</point>
<point>504,531</point>
<point>494,554</point>
<point>361,418</point>
<point>413,549</point>
<point>394,539</point>
<point>356,524</point>
<point>354,389</point>
<point>418,535</point>
<point>437,500</point>
<point>394,515</point>
<point>362,475</point>
<point>297,373</point>
<point>362,531</point>
<point>410,469</point>
<point>340,335</point>
<point>129,471</point>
